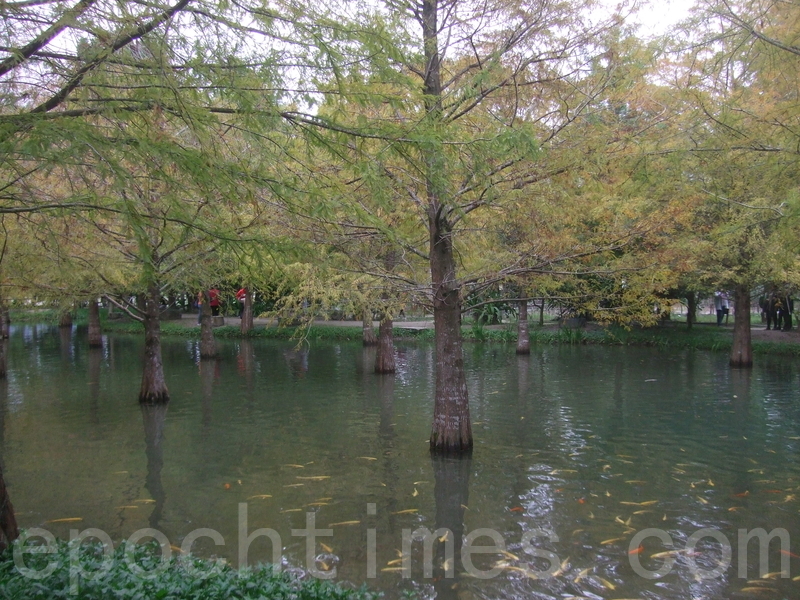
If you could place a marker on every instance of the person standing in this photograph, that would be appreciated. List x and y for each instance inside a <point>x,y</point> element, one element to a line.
<point>721,305</point>
<point>240,297</point>
<point>784,319</point>
<point>213,301</point>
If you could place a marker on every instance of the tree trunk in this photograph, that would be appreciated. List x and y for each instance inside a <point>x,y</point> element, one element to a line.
<point>742,350</point>
<point>452,429</point>
<point>8,522</point>
<point>5,321</point>
<point>247,314</point>
<point>691,307</point>
<point>369,333</point>
<point>541,314</point>
<point>384,358</point>
<point>3,358</point>
<point>523,340</point>
<point>208,345</point>
<point>65,319</point>
<point>154,387</point>
<point>95,333</point>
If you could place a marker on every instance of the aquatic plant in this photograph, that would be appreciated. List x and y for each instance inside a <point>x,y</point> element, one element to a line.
<point>139,571</point>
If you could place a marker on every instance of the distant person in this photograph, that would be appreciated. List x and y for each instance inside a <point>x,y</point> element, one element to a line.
<point>772,308</point>
<point>784,320</point>
<point>240,298</point>
<point>199,304</point>
<point>213,301</point>
<point>721,305</point>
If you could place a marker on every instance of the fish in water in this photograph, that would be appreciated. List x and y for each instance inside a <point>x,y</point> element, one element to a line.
<point>65,520</point>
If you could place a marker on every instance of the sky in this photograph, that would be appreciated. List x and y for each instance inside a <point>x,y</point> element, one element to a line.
<point>656,16</point>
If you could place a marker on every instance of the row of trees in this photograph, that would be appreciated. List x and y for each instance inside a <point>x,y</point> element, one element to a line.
<point>405,151</point>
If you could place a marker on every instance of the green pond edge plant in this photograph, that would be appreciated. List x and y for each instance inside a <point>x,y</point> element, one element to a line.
<point>138,571</point>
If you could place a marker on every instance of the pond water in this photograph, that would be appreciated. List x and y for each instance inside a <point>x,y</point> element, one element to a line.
<point>578,450</point>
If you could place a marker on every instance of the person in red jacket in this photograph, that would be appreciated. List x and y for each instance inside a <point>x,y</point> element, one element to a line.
<point>213,301</point>
<point>240,296</point>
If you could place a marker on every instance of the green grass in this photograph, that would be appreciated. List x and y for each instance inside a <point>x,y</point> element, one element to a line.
<point>181,578</point>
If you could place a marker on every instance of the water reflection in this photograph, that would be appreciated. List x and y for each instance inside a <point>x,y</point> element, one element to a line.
<point>738,403</point>
<point>209,371</point>
<point>451,491</point>
<point>387,437</point>
<point>95,360</point>
<point>67,350</point>
<point>246,365</point>
<point>297,361</point>
<point>365,364</point>
<point>3,358</point>
<point>154,416</point>
<point>3,410</point>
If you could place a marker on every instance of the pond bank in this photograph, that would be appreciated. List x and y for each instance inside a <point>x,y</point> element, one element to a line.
<point>704,336</point>
<point>670,335</point>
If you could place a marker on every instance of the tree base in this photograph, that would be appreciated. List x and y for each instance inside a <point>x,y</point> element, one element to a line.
<point>461,448</point>
<point>154,398</point>
<point>741,363</point>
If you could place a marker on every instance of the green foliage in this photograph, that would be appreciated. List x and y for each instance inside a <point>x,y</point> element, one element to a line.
<point>177,580</point>
<point>478,331</point>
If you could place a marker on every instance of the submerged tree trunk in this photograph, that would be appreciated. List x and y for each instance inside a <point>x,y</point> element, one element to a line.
<point>452,429</point>
<point>384,359</point>
<point>65,319</point>
<point>208,345</point>
<point>742,350</point>
<point>95,333</point>
<point>154,387</point>
<point>369,337</point>
<point>247,314</point>
<point>691,307</point>
<point>8,522</point>
<point>523,339</point>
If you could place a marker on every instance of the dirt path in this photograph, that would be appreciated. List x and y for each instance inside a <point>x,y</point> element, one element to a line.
<point>760,334</point>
